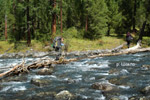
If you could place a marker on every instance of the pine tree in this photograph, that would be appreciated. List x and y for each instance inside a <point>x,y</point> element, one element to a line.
<point>143,16</point>
<point>113,15</point>
<point>97,18</point>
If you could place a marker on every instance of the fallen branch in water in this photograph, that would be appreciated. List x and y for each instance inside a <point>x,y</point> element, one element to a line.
<point>44,62</point>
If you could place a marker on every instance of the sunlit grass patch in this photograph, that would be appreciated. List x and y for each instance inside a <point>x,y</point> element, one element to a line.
<point>85,44</point>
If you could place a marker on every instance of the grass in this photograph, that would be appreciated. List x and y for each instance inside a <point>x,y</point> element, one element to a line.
<point>146,42</point>
<point>75,44</point>
<point>6,47</point>
<point>103,43</point>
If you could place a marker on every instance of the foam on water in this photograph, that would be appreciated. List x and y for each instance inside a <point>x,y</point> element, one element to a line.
<point>13,83</point>
<point>102,73</point>
<point>124,72</point>
<point>100,98</point>
<point>52,76</point>
<point>137,55</point>
<point>20,88</point>
<point>78,80</point>
<point>1,65</point>
<point>137,59</point>
<point>6,89</point>
<point>78,76</point>
<point>140,54</point>
<point>41,76</point>
<point>124,87</point>
<point>123,97</point>
<point>86,67</point>
<point>29,59</point>
<point>92,78</point>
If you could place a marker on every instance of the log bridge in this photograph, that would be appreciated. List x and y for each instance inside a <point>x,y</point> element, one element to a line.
<point>46,61</point>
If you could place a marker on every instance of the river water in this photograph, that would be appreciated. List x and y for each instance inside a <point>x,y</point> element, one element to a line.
<point>124,72</point>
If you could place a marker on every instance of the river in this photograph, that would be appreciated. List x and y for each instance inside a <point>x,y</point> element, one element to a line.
<point>124,72</point>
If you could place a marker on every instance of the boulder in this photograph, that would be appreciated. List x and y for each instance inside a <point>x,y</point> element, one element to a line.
<point>114,98</point>
<point>70,81</point>
<point>139,98</point>
<point>40,82</point>
<point>45,71</point>
<point>118,80</point>
<point>146,66</point>
<point>64,95</point>
<point>102,86</point>
<point>146,90</point>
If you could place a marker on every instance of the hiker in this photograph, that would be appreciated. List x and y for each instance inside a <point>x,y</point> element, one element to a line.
<point>57,45</point>
<point>129,38</point>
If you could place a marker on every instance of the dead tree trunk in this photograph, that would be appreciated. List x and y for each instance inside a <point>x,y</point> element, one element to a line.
<point>54,20</point>
<point>86,24</point>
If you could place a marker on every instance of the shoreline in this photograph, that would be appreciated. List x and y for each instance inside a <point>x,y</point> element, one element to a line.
<point>87,53</point>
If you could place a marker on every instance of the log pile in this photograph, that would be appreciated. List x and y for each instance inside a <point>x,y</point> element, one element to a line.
<point>44,62</point>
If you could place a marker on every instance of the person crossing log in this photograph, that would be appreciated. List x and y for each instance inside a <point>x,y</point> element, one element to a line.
<point>44,62</point>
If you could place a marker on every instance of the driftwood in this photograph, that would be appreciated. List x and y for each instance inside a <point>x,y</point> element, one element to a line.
<point>44,62</point>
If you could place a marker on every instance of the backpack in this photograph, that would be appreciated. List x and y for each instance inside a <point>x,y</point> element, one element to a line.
<point>57,42</point>
<point>129,38</point>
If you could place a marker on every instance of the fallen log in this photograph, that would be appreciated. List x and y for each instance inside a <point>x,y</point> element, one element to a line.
<point>44,62</point>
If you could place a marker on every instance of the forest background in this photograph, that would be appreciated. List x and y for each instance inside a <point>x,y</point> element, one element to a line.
<point>85,24</point>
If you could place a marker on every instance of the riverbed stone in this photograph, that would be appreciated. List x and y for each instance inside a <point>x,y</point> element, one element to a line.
<point>118,81</point>
<point>146,66</point>
<point>139,98</point>
<point>45,71</point>
<point>2,98</point>
<point>133,98</point>
<point>40,82</point>
<point>20,78</point>
<point>114,98</point>
<point>113,71</point>
<point>103,86</point>
<point>70,81</point>
<point>43,94</point>
<point>146,90</point>
<point>112,95</point>
<point>64,95</point>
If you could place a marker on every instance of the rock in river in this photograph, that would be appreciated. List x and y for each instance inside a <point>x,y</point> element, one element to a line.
<point>43,94</point>
<point>146,90</point>
<point>103,86</point>
<point>45,71</point>
<point>40,82</point>
<point>64,95</point>
<point>146,66</point>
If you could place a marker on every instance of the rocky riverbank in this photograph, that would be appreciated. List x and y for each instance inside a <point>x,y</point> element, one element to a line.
<point>101,78</point>
<point>35,54</point>
<point>116,51</point>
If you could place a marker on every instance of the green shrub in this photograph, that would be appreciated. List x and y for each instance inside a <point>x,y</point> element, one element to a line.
<point>70,33</point>
<point>146,41</point>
